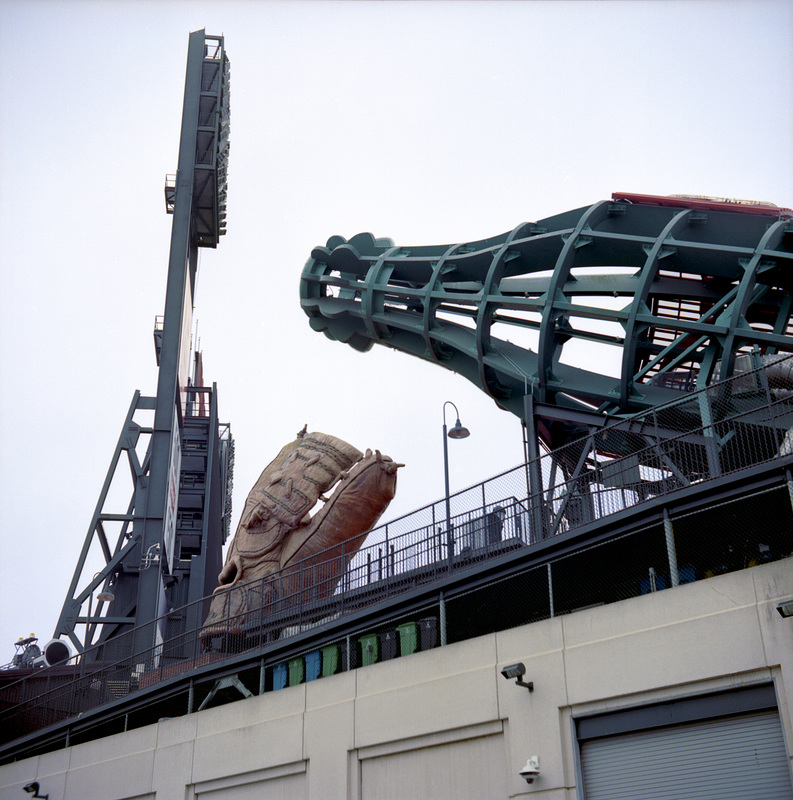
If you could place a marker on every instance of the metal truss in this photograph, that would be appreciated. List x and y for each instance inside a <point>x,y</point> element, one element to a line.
<point>677,288</point>
<point>119,556</point>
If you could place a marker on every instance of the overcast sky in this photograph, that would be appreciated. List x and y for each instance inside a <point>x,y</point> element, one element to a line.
<point>426,122</point>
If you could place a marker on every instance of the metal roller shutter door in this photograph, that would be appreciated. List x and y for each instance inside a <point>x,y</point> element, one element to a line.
<point>742,757</point>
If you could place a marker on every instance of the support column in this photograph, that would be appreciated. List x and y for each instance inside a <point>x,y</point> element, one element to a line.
<point>789,487</point>
<point>674,575</point>
<point>537,504</point>
<point>442,604</point>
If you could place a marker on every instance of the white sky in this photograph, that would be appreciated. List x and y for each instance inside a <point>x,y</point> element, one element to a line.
<point>427,122</point>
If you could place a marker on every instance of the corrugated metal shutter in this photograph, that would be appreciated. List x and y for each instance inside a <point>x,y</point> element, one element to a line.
<point>742,757</point>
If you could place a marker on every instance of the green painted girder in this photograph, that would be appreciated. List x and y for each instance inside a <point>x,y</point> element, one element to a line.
<point>690,289</point>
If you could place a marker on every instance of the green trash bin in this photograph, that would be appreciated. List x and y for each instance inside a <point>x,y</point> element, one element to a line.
<point>408,638</point>
<point>369,649</point>
<point>296,671</point>
<point>331,660</point>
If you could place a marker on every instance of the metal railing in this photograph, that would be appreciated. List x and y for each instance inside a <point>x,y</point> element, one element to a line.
<point>702,437</point>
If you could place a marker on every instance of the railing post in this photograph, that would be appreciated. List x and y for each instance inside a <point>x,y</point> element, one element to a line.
<point>550,589</point>
<point>436,530</point>
<point>597,476</point>
<point>262,612</point>
<point>300,590</point>
<point>280,589</point>
<point>345,578</point>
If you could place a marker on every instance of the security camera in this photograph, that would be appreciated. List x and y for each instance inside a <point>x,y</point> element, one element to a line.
<point>514,671</point>
<point>517,671</point>
<point>531,769</point>
<point>32,788</point>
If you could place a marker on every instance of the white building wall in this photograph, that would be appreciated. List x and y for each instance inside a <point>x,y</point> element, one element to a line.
<point>445,723</point>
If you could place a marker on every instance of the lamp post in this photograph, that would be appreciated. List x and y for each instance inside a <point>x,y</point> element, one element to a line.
<point>457,432</point>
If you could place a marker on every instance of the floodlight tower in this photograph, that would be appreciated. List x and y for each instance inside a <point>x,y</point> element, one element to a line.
<point>168,548</point>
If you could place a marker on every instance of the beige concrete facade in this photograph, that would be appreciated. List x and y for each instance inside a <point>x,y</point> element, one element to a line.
<point>445,723</point>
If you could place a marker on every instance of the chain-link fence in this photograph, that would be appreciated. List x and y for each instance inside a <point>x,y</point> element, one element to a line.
<point>702,437</point>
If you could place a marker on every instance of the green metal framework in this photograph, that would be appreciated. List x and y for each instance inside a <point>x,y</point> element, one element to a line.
<point>672,289</point>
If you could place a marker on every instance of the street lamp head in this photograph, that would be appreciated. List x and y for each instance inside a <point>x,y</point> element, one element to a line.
<point>458,431</point>
<point>106,595</point>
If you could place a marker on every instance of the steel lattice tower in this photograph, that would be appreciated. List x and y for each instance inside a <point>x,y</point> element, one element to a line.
<point>168,540</point>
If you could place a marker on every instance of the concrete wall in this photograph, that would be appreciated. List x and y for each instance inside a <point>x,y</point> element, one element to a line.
<point>445,723</point>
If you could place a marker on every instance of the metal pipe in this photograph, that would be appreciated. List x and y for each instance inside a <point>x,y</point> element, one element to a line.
<point>674,575</point>
<point>442,606</point>
<point>789,487</point>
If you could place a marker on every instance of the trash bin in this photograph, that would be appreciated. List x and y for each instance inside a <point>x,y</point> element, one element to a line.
<point>313,665</point>
<point>388,644</point>
<point>279,676</point>
<point>369,649</point>
<point>332,660</point>
<point>429,633</point>
<point>408,638</point>
<point>296,671</point>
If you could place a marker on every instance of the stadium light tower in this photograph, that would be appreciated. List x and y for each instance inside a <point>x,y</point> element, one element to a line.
<point>169,538</point>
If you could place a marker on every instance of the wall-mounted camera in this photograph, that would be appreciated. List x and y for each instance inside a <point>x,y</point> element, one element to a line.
<point>531,769</point>
<point>517,671</point>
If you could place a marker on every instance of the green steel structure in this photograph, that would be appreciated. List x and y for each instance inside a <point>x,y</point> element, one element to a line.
<point>671,292</point>
<point>163,549</point>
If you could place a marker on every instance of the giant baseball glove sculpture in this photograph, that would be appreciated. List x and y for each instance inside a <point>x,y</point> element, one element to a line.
<point>277,537</point>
